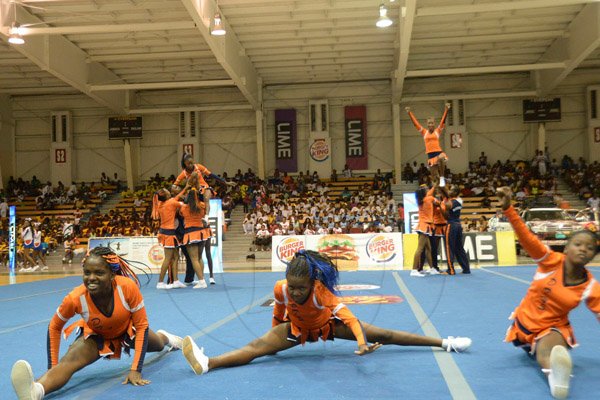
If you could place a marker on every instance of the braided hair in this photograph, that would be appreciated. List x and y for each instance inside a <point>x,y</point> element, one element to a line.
<point>116,263</point>
<point>316,266</point>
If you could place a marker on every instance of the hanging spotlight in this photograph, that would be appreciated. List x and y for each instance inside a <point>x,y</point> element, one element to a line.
<point>15,36</point>
<point>218,27</point>
<point>383,21</point>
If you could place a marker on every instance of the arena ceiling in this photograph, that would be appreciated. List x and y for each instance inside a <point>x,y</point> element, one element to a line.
<point>111,49</point>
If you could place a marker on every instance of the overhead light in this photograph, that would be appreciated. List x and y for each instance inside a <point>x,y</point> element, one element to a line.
<point>383,21</point>
<point>218,28</point>
<point>14,35</point>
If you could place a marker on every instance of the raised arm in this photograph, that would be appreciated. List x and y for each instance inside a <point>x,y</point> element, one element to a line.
<point>536,249</point>
<point>443,120</point>
<point>414,119</point>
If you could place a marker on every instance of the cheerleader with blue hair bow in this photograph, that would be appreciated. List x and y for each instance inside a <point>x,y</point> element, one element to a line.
<point>307,309</point>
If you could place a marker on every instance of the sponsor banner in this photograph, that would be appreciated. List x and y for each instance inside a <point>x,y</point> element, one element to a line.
<point>320,149</point>
<point>216,219</point>
<point>349,252</point>
<point>286,147</point>
<point>12,239</point>
<point>356,137</point>
<point>411,212</point>
<point>479,246</point>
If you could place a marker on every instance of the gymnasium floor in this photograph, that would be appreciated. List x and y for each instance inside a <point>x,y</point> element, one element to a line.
<point>231,313</point>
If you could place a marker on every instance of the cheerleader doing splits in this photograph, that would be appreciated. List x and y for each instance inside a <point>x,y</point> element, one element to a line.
<point>113,320</point>
<point>541,322</point>
<point>306,310</point>
<point>436,158</point>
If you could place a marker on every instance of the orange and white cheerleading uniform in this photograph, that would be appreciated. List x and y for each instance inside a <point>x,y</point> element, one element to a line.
<point>432,139</point>
<point>200,169</point>
<point>194,229</point>
<point>128,322</point>
<point>27,236</point>
<point>439,221</point>
<point>314,319</point>
<point>549,300</point>
<point>425,225</point>
<point>167,210</point>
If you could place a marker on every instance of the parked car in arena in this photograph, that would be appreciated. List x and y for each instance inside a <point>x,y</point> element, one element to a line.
<point>551,225</point>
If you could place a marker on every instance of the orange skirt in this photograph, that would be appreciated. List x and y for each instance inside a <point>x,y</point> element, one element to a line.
<point>109,348</point>
<point>434,160</point>
<point>520,336</point>
<point>425,228</point>
<point>196,236</point>
<point>167,241</point>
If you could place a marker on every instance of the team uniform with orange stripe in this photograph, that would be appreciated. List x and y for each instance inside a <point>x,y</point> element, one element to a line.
<point>432,139</point>
<point>200,169</point>
<point>127,325</point>
<point>549,300</point>
<point>425,225</point>
<point>314,319</point>
<point>194,229</point>
<point>167,211</point>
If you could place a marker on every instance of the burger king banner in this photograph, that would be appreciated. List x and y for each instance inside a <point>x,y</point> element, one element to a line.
<point>319,154</point>
<point>348,252</point>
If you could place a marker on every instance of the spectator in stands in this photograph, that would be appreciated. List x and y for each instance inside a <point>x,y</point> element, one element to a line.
<point>483,160</point>
<point>483,224</point>
<point>407,173</point>
<point>347,172</point>
<point>4,208</point>
<point>346,195</point>
<point>104,179</point>
<point>594,202</point>
<point>333,177</point>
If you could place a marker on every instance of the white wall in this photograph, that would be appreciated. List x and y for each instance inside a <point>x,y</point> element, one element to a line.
<point>228,138</point>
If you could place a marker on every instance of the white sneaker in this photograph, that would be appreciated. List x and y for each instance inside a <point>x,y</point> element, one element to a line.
<point>28,269</point>
<point>162,285</point>
<point>457,344</point>
<point>195,356</point>
<point>417,273</point>
<point>212,281</point>
<point>35,268</point>
<point>200,285</point>
<point>175,342</point>
<point>178,285</point>
<point>442,181</point>
<point>22,380</point>
<point>433,271</point>
<point>560,372</point>
<point>45,268</point>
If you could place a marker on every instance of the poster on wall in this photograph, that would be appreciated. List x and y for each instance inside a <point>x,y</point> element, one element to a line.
<point>597,135</point>
<point>319,151</point>
<point>348,252</point>
<point>356,137</point>
<point>286,147</point>
<point>456,140</point>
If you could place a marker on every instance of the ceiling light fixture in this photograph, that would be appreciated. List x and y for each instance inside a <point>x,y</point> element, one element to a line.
<point>14,34</point>
<point>383,21</point>
<point>218,27</point>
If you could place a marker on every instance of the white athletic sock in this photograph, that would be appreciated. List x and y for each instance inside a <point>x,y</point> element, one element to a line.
<point>38,391</point>
<point>445,344</point>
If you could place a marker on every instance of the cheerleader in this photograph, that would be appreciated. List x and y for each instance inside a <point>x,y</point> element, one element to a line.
<point>165,208</point>
<point>541,323</point>
<point>39,247</point>
<point>436,158</point>
<point>27,238</point>
<point>425,229</point>
<point>111,302</point>
<point>307,309</point>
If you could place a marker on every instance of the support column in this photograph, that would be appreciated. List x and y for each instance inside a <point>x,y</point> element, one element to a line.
<point>62,162</point>
<point>7,133</point>
<point>397,142</point>
<point>132,151</point>
<point>592,151</point>
<point>541,137</point>
<point>260,144</point>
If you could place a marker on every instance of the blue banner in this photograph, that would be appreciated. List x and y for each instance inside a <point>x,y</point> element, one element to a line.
<point>12,240</point>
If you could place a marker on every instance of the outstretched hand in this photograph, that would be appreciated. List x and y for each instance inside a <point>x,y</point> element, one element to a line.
<point>135,378</point>
<point>448,105</point>
<point>367,348</point>
<point>504,194</point>
<point>407,109</point>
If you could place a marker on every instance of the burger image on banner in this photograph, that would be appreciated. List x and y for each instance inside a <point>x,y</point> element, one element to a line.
<point>340,249</point>
<point>287,248</point>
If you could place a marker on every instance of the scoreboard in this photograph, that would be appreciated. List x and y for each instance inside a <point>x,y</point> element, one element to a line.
<point>127,127</point>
